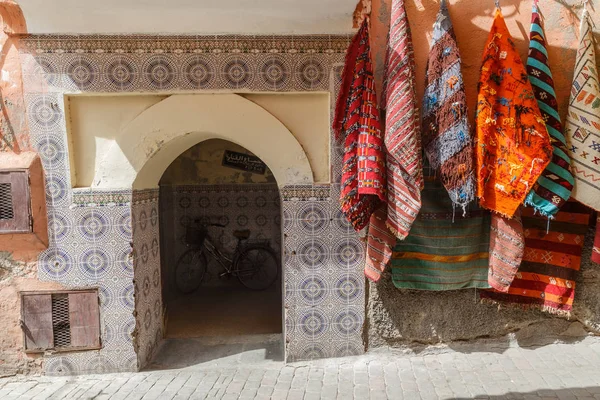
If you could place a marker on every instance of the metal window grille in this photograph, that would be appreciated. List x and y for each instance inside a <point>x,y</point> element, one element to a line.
<point>6,201</point>
<point>60,320</point>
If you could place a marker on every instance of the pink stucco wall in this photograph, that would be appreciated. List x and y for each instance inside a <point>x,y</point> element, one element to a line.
<point>472,21</point>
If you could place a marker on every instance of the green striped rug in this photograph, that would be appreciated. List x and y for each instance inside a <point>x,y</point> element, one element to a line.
<point>440,254</point>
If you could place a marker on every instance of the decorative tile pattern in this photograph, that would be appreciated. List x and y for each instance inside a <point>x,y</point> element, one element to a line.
<point>109,198</point>
<point>174,44</point>
<point>306,193</point>
<point>255,207</point>
<point>324,282</point>
<point>146,292</point>
<point>120,64</point>
<point>86,251</point>
<point>110,238</point>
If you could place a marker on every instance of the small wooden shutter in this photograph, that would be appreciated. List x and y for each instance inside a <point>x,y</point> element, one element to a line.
<point>62,320</point>
<point>37,322</point>
<point>84,318</point>
<point>15,209</point>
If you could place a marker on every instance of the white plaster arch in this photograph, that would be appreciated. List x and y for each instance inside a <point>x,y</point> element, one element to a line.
<point>149,143</point>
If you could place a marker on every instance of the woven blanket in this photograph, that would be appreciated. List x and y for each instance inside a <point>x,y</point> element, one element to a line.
<point>507,245</point>
<point>583,120</point>
<point>402,136</point>
<point>341,105</point>
<point>513,147</point>
<point>554,186</point>
<point>446,131</point>
<point>546,278</point>
<point>363,172</point>
<point>596,248</point>
<point>439,253</point>
<point>380,244</point>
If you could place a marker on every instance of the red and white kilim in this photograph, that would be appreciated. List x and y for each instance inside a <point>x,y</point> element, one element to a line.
<point>402,136</point>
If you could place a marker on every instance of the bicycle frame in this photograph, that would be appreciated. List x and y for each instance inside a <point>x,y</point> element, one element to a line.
<point>226,261</point>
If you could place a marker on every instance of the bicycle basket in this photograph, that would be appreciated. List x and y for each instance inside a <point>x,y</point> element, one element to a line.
<point>195,236</point>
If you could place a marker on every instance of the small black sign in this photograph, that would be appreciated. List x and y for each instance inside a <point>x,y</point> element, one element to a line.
<point>243,162</point>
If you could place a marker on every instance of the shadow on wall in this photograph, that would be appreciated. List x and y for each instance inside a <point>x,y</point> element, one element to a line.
<point>417,319</point>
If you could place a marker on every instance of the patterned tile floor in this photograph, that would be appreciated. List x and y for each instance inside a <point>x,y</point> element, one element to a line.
<point>563,371</point>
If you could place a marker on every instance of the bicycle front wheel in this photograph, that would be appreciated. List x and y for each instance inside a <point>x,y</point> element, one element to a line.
<point>257,267</point>
<point>190,271</point>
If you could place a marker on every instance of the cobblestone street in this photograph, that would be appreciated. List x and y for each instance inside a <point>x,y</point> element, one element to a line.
<point>564,371</point>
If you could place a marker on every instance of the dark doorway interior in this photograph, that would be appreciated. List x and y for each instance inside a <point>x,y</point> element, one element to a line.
<point>219,183</point>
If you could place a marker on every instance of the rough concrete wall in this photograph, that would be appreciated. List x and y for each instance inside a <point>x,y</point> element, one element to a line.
<point>16,276</point>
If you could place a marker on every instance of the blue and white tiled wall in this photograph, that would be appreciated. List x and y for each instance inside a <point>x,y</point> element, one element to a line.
<point>324,282</point>
<point>147,279</point>
<point>253,206</point>
<point>90,246</point>
<point>107,239</point>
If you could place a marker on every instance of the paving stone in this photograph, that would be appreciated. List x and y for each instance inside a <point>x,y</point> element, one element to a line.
<point>514,374</point>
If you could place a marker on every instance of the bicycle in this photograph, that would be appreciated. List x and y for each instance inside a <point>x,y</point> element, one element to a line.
<point>255,265</point>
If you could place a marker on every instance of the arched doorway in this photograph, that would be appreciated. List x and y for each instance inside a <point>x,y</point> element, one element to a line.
<point>145,150</point>
<point>226,189</point>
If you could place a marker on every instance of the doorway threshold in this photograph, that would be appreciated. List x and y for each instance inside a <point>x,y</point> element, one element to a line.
<point>222,352</point>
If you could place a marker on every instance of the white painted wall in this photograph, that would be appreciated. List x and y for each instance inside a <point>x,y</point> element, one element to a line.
<point>189,16</point>
<point>98,126</point>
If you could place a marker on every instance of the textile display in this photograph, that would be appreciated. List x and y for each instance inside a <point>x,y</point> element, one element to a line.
<point>363,171</point>
<point>554,186</point>
<point>402,136</point>
<point>507,245</point>
<point>380,244</point>
<point>341,104</point>
<point>546,277</point>
<point>439,253</point>
<point>446,130</point>
<point>583,120</point>
<point>513,147</point>
<point>596,248</point>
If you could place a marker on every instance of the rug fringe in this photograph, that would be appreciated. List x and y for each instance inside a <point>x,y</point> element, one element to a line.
<point>396,233</point>
<point>537,210</point>
<point>527,307</point>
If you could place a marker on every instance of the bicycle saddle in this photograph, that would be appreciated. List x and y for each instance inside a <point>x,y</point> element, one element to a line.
<point>241,235</point>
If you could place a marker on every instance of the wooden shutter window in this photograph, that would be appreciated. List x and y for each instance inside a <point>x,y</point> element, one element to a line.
<point>83,316</point>
<point>37,322</point>
<point>15,209</point>
<point>61,321</point>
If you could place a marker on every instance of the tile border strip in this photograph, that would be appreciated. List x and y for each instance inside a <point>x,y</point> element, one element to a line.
<point>178,44</point>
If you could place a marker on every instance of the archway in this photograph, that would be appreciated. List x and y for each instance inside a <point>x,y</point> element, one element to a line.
<point>148,145</point>
<point>215,312</point>
<point>145,150</point>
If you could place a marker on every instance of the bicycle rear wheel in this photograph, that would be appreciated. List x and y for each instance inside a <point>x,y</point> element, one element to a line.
<point>190,271</point>
<point>257,267</point>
